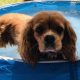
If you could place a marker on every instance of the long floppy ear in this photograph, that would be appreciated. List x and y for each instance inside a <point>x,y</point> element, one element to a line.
<point>69,42</point>
<point>28,46</point>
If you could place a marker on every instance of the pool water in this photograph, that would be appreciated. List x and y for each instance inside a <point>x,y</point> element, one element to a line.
<point>70,10</point>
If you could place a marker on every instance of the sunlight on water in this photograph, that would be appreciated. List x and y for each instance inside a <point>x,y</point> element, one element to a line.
<point>9,51</point>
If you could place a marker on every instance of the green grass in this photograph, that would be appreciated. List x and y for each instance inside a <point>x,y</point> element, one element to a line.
<point>4,2</point>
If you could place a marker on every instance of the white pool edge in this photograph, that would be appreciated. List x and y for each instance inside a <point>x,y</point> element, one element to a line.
<point>20,60</point>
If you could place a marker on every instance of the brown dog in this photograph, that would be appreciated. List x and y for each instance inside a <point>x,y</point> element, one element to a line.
<point>48,36</point>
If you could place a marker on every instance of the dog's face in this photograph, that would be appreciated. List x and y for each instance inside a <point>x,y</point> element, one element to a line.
<point>49,31</point>
<point>46,32</point>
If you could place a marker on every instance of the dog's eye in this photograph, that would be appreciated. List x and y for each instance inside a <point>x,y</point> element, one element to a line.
<point>59,30</point>
<point>39,30</point>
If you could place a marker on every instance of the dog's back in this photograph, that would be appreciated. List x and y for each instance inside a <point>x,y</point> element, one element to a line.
<point>11,28</point>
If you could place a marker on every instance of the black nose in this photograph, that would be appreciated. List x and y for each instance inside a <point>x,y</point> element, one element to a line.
<point>49,40</point>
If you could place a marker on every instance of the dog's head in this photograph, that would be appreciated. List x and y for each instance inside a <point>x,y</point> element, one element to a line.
<point>50,32</point>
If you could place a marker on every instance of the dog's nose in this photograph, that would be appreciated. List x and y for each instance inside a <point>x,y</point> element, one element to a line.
<point>49,40</point>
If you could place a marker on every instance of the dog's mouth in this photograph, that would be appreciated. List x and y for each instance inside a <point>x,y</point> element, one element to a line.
<point>49,50</point>
<point>50,53</point>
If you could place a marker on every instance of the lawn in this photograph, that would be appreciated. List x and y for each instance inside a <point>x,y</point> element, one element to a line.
<point>4,2</point>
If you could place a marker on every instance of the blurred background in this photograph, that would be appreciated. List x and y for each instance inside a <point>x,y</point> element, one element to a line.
<point>5,2</point>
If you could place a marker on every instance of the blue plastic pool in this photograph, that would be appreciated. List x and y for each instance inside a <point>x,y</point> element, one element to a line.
<point>15,70</point>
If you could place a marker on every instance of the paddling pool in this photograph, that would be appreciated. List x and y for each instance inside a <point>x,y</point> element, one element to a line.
<point>13,69</point>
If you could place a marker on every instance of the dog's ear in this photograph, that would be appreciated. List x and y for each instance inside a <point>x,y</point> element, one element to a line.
<point>69,42</point>
<point>28,46</point>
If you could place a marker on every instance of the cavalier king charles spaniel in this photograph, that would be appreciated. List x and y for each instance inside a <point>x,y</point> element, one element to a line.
<point>45,36</point>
